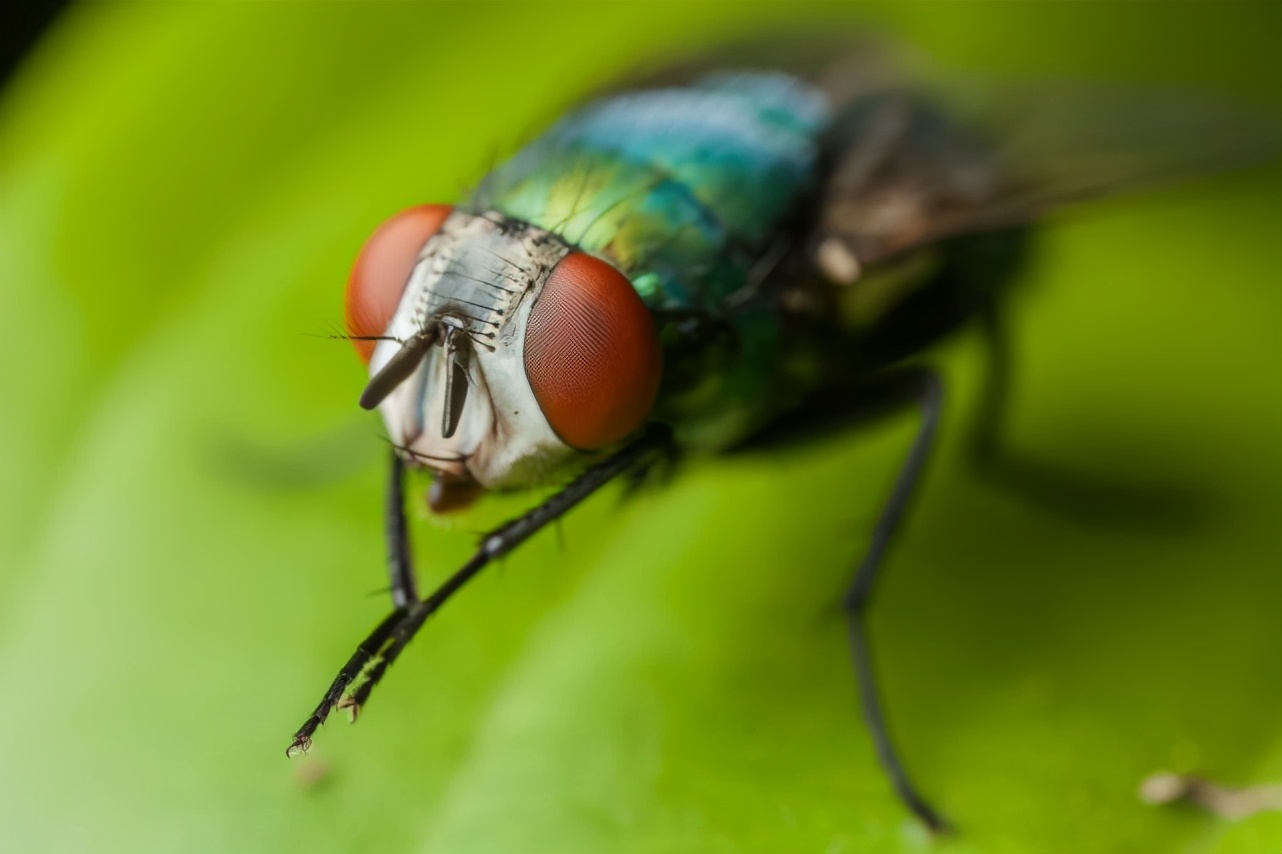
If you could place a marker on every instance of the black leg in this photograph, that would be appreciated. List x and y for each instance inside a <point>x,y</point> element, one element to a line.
<point>365,668</point>
<point>986,438</point>
<point>400,566</point>
<point>861,399</point>
<point>1092,499</point>
<point>929,397</point>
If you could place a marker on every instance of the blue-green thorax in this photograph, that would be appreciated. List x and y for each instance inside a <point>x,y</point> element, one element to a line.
<point>683,190</point>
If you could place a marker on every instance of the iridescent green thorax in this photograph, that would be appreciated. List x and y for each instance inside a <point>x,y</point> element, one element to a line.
<point>683,190</point>
<point>676,187</point>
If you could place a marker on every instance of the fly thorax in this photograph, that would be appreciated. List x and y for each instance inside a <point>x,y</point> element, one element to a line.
<point>467,410</point>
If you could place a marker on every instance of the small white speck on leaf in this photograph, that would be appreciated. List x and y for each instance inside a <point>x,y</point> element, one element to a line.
<point>1165,787</point>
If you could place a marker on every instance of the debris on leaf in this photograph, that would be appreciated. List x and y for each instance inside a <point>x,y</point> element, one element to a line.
<point>1165,787</point>
<point>311,773</point>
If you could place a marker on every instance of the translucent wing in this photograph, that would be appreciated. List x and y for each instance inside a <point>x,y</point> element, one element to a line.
<point>920,156</point>
<point>917,155</point>
<point>912,169</point>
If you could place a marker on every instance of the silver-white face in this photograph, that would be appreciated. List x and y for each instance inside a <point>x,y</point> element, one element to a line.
<point>475,280</point>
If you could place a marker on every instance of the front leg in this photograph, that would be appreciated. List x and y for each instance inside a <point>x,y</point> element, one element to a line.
<point>352,687</point>
<point>400,565</point>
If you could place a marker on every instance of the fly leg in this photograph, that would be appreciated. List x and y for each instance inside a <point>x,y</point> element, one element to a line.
<point>986,439</point>
<point>400,566</point>
<point>928,394</point>
<point>400,571</point>
<point>366,667</point>
<point>862,399</point>
<point>1111,500</point>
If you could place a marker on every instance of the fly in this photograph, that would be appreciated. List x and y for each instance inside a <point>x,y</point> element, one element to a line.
<point>723,258</point>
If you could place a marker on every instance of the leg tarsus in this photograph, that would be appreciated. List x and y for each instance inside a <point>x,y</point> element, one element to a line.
<point>382,647</point>
<point>334,696</point>
<point>870,706</point>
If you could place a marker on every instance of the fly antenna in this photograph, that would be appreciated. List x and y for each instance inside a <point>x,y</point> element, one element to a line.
<point>400,366</point>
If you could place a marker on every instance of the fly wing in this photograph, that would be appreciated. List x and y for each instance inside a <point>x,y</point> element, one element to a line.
<point>914,163</point>
<point>916,155</point>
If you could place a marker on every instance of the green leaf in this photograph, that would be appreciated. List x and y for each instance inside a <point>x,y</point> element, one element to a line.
<point>190,498</point>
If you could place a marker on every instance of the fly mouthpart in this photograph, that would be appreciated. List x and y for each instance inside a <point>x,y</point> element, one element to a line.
<point>420,457</point>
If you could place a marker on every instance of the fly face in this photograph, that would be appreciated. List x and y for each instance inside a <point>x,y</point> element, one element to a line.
<point>507,351</point>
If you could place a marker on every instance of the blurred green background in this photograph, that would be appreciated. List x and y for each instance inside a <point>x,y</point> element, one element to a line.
<point>190,499</point>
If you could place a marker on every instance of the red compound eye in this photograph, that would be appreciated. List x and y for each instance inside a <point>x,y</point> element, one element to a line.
<point>382,270</point>
<point>591,353</point>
